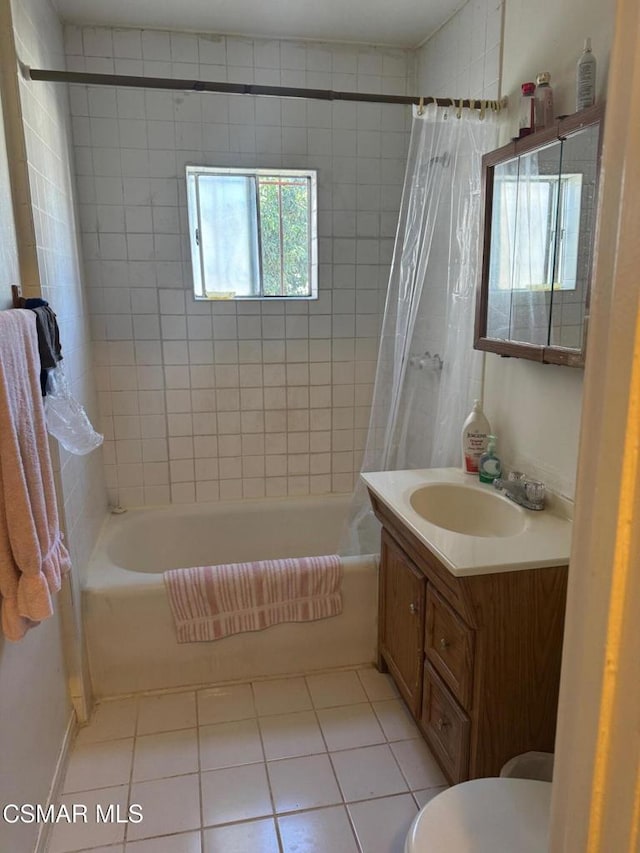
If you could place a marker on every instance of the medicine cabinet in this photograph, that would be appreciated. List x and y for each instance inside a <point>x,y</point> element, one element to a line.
<point>539,214</point>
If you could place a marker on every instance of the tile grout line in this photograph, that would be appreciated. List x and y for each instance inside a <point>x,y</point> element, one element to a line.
<point>266,771</point>
<point>133,759</point>
<point>199,764</point>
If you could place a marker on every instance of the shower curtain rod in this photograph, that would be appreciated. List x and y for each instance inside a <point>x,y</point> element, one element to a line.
<point>90,78</point>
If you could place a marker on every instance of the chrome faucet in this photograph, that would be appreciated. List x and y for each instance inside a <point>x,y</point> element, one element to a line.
<point>522,490</point>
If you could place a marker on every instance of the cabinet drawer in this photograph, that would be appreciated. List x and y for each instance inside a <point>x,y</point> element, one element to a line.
<point>449,647</point>
<point>446,727</point>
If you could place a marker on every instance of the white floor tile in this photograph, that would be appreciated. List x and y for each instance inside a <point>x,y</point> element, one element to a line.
<point>230,744</point>
<point>188,842</point>
<point>382,825</point>
<point>168,805</point>
<point>350,726</point>
<point>418,765</point>
<point>166,713</point>
<point>225,704</point>
<point>395,719</point>
<point>367,773</point>
<point>99,765</point>
<point>281,696</point>
<point>110,720</point>
<point>81,836</point>
<point>321,831</point>
<point>165,754</point>
<point>291,735</point>
<point>423,797</point>
<point>378,685</point>
<point>235,794</point>
<point>258,836</point>
<point>303,783</point>
<point>335,688</point>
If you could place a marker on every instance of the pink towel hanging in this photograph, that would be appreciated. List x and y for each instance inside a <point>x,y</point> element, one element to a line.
<point>32,555</point>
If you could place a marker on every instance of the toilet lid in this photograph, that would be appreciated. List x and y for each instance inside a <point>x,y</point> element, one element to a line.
<point>484,816</point>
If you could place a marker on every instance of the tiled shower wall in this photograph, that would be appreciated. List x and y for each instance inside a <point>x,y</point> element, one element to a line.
<point>462,59</point>
<point>208,401</point>
<point>49,232</point>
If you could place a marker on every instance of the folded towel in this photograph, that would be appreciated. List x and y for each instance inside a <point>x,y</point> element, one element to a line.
<point>210,602</point>
<point>32,555</point>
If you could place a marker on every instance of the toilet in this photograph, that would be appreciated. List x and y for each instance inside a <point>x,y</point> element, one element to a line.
<point>484,816</point>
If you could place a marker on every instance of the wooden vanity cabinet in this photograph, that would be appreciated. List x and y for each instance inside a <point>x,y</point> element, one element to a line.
<point>476,659</point>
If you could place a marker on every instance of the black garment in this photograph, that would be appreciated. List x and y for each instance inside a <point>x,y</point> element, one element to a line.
<point>48,339</point>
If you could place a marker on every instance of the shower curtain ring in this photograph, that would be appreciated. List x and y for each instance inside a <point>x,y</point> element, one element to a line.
<point>421,106</point>
<point>459,110</point>
<point>483,108</point>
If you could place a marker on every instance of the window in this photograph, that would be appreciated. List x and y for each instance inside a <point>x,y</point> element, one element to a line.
<point>529,212</point>
<point>253,233</point>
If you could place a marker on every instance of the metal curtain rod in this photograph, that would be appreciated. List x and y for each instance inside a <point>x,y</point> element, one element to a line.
<point>88,78</point>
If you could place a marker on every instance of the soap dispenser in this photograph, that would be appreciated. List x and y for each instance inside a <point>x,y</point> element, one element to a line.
<point>489,467</point>
<point>475,433</point>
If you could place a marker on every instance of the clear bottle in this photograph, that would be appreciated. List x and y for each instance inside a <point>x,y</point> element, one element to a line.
<point>527,109</point>
<point>489,467</point>
<point>544,101</point>
<point>475,434</point>
<point>586,78</point>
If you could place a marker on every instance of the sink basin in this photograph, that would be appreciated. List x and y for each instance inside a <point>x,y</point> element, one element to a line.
<point>468,510</point>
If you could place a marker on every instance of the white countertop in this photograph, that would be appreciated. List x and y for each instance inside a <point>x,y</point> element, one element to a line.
<point>545,539</point>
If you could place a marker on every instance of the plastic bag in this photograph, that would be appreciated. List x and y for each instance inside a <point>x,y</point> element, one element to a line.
<point>66,418</point>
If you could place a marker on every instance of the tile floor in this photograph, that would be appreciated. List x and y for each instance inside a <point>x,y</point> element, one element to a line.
<point>328,763</point>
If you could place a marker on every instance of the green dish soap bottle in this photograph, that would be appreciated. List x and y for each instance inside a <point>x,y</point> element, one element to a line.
<point>489,467</point>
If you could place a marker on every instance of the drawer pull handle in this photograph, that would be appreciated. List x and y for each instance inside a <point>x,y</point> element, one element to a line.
<point>444,644</point>
<point>441,724</point>
<point>412,608</point>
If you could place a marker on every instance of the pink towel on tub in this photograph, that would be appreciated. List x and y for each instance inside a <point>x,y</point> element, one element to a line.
<point>210,602</point>
<point>32,556</point>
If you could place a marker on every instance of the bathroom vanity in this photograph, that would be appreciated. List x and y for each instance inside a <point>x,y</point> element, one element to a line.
<point>471,626</point>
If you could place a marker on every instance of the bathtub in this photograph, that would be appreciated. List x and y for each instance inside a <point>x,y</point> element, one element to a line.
<point>129,630</point>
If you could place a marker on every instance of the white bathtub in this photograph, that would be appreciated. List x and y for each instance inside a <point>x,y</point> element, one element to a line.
<point>130,634</point>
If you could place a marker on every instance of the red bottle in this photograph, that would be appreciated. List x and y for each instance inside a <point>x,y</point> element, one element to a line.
<point>527,109</point>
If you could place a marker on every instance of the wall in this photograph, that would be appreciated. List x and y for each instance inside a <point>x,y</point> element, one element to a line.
<point>462,59</point>
<point>534,409</point>
<point>34,705</point>
<point>47,133</point>
<point>223,400</point>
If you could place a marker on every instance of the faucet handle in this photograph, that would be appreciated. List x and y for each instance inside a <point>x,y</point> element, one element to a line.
<point>516,475</point>
<point>534,491</point>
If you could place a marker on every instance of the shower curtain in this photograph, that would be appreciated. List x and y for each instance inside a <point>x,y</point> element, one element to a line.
<point>428,373</point>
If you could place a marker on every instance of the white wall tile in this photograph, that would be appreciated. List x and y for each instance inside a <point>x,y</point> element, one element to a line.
<point>131,148</point>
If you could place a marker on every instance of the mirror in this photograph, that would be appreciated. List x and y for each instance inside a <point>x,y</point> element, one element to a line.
<point>539,220</point>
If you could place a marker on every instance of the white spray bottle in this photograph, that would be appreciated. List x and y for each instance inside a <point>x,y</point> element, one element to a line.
<point>586,78</point>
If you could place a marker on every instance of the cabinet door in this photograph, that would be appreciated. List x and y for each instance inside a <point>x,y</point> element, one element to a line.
<point>401,620</point>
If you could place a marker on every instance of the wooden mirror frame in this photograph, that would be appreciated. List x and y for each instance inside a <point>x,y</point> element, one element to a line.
<point>535,352</point>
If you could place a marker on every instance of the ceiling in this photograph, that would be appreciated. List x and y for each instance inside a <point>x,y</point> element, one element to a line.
<point>402,23</point>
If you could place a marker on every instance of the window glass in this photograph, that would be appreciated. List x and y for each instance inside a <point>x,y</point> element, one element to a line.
<point>253,233</point>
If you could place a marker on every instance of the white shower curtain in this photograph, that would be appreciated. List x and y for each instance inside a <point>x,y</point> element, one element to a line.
<point>418,408</point>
